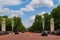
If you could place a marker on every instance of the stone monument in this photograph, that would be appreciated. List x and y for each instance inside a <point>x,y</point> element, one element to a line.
<point>3,24</point>
<point>52,25</point>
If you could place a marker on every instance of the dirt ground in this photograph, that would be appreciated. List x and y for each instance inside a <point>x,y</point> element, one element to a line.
<point>28,36</point>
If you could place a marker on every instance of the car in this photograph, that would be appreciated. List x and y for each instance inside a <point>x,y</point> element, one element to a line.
<point>57,32</point>
<point>16,33</point>
<point>44,33</point>
<point>4,32</point>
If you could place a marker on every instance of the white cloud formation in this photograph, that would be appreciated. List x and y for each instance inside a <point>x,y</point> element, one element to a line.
<point>32,18</point>
<point>41,3</point>
<point>30,7</point>
<point>27,9</point>
<point>9,2</point>
<point>42,13</point>
<point>59,1</point>
<point>30,21</point>
<point>37,3</point>
<point>5,11</point>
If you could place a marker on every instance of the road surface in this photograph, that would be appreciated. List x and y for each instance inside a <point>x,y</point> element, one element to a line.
<point>28,36</point>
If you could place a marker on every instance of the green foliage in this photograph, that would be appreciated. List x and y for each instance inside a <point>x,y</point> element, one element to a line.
<point>47,21</point>
<point>18,24</point>
<point>8,23</point>
<point>36,27</point>
<point>0,22</point>
<point>56,15</point>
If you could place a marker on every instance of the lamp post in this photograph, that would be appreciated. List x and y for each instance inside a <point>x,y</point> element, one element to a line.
<point>12,23</point>
<point>43,21</point>
<point>44,32</point>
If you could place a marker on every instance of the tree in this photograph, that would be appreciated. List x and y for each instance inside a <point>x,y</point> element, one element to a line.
<point>8,23</point>
<point>0,22</point>
<point>47,21</point>
<point>56,15</point>
<point>37,25</point>
<point>18,24</point>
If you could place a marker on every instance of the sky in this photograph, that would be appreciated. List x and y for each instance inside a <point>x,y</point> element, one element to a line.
<point>27,9</point>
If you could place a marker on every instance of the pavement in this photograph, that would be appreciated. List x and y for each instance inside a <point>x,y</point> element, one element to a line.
<point>28,36</point>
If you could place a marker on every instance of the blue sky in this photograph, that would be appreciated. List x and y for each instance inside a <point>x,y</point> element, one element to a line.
<point>26,9</point>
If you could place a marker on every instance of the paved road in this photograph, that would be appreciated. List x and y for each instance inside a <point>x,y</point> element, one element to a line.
<point>28,36</point>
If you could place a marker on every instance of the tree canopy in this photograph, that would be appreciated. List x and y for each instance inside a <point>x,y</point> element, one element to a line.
<point>56,15</point>
<point>37,25</point>
<point>17,22</point>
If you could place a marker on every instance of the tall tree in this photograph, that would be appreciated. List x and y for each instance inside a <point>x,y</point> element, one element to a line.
<point>18,24</point>
<point>47,21</point>
<point>0,22</point>
<point>37,25</point>
<point>56,15</point>
<point>8,23</point>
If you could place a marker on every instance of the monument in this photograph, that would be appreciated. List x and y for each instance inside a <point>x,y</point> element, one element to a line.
<point>52,25</point>
<point>3,24</point>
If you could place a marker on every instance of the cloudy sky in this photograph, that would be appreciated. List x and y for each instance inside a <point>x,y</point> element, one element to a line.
<point>26,9</point>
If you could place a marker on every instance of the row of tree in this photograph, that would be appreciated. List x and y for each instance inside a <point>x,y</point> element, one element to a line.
<point>17,23</point>
<point>37,25</point>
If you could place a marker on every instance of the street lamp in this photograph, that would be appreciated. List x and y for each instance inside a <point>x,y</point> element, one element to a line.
<point>12,21</point>
<point>12,24</point>
<point>44,32</point>
<point>43,21</point>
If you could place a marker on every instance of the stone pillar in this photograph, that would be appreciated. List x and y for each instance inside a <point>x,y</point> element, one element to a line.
<point>3,24</point>
<point>52,25</point>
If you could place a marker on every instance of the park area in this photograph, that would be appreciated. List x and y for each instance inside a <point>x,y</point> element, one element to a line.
<point>28,36</point>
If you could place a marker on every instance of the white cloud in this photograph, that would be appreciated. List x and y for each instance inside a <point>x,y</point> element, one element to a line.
<point>5,11</point>
<point>42,2</point>
<point>30,7</point>
<point>59,1</point>
<point>10,2</point>
<point>27,9</point>
<point>32,18</point>
<point>42,13</point>
<point>30,21</point>
<point>37,3</point>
